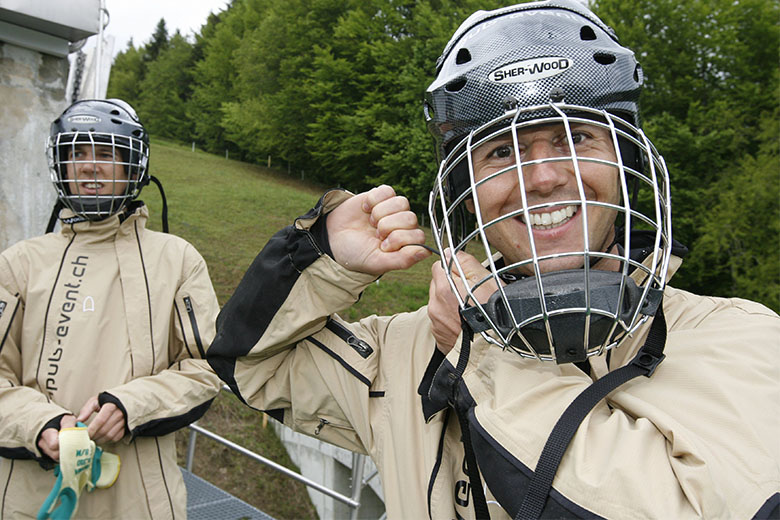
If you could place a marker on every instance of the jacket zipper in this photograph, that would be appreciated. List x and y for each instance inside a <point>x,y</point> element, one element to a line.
<point>194,324</point>
<point>360,346</point>
<point>10,322</point>
<point>323,422</point>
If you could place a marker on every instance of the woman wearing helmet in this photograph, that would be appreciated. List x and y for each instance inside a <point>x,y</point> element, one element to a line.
<point>104,323</point>
<point>552,212</point>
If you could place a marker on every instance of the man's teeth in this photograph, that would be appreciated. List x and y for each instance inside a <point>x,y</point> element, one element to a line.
<point>93,185</point>
<point>553,219</point>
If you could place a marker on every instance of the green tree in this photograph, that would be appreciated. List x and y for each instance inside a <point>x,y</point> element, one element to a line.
<point>273,61</point>
<point>367,87</point>
<point>166,89</point>
<point>711,80</point>
<point>158,43</point>
<point>127,72</point>
<point>215,73</point>
<point>334,87</point>
<point>331,87</point>
<point>738,251</point>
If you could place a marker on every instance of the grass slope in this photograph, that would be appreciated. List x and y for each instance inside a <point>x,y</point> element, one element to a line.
<point>228,210</point>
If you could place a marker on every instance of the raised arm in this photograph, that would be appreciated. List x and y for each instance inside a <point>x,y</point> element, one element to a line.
<point>279,347</point>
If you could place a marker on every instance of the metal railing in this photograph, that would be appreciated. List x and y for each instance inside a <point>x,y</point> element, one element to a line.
<point>358,462</point>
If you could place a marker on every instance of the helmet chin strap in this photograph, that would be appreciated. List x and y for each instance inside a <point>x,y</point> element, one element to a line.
<point>55,213</point>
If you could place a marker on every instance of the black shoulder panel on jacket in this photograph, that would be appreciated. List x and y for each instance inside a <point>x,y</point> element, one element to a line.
<point>263,290</point>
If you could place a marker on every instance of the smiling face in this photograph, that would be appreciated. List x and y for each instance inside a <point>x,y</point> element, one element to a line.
<point>96,171</point>
<point>553,195</point>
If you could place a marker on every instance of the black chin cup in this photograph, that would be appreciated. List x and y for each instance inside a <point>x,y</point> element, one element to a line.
<point>96,208</point>
<point>564,300</point>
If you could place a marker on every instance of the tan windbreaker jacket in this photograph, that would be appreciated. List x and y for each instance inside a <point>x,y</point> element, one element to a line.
<point>107,308</point>
<point>697,439</point>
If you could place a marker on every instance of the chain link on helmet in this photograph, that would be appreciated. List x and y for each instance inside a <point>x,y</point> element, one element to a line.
<point>548,68</point>
<point>105,142</point>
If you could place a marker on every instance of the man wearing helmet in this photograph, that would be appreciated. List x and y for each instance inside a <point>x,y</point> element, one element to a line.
<point>105,323</point>
<point>552,212</point>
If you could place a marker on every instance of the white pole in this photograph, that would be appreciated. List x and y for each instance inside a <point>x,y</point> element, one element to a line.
<point>99,60</point>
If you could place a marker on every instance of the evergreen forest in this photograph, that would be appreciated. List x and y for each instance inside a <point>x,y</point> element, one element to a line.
<point>331,90</point>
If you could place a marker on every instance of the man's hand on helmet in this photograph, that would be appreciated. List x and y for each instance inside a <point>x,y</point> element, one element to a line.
<point>368,233</point>
<point>443,306</point>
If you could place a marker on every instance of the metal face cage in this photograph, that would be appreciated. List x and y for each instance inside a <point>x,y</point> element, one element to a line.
<point>590,269</point>
<point>96,174</point>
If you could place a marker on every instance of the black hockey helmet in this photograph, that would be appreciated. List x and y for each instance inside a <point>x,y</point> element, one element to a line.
<point>108,126</point>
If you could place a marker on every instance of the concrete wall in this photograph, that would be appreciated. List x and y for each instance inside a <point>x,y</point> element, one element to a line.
<point>332,467</point>
<point>32,95</point>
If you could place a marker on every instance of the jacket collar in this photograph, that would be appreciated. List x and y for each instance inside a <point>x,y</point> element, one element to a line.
<point>121,223</point>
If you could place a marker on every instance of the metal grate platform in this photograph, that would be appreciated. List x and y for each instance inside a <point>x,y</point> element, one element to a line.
<point>205,501</point>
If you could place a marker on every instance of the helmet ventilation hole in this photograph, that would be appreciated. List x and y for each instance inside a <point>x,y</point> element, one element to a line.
<point>116,121</point>
<point>604,58</point>
<point>587,33</point>
<point>464,56</point>
<point>115,112</point>
<point>428,110</point>
<point>638,73</point>
<point>137,133</point>
<point>455,85</point>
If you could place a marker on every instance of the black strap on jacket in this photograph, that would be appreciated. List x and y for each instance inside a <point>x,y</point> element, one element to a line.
<point>477,492</point>
<point>164,203</point>
<point>643,364</point>
<point>55,212</point>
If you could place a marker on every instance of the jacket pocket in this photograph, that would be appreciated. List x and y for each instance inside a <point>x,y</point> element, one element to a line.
<point>326,423</point>
<point>331,430</point>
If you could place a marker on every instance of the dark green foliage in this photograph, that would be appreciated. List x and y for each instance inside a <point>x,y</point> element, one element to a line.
<point>126,74</point>
<point>711,108</point>
<point>333,89</point>
<point>166,89</point>
<point>159,42</point>
<point>738,246</point>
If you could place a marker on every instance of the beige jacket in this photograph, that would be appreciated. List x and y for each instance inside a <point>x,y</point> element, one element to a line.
<point>697,439</point>
<point>107,308</point>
